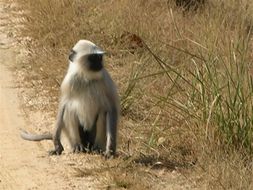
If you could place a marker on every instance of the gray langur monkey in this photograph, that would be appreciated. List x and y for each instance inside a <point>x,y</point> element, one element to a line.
<point>89,105</point>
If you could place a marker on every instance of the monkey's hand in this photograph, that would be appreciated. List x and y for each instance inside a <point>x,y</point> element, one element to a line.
<point>57,151</point>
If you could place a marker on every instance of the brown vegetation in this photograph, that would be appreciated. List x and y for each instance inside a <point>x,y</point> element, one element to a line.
<point>184,79</point>
<point>189,4</point>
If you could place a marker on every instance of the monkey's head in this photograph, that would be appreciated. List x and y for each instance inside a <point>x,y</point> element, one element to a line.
<point>87,57</point>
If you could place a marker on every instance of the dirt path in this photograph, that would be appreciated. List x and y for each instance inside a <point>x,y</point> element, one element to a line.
<point>26,165</point>
<point>19,159</point>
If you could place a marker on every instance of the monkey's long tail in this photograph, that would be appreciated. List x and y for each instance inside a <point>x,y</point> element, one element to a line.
<point>33,137</point>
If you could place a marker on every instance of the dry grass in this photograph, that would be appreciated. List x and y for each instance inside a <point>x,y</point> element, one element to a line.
<point>184,78</point>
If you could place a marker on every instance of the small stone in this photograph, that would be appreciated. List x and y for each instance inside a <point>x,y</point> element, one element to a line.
<point>160,141</point>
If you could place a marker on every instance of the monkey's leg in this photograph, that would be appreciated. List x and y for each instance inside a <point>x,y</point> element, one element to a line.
<point>87,137</point>
<point>100,138</point>
<point>72,131</point>
<point>111,132</point>
<point>57,134</point>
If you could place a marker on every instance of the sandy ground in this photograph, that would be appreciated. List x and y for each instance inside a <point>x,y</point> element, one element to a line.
<point>19,159</point>
<point>26,165</point>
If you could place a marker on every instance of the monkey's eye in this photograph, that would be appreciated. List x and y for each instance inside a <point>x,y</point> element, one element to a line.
<point>72,55</point>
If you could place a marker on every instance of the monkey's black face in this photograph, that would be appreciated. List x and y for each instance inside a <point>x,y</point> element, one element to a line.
<point>95,62</point>
<point>92,62</point>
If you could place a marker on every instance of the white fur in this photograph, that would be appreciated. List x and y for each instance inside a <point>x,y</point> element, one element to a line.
<point>85,47</point>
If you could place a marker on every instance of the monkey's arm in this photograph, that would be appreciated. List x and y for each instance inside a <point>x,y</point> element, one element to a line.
<point>111,131</point>
<point>57,133</point>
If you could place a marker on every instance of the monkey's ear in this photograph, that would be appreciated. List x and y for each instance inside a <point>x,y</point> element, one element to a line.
<point>72,55</point>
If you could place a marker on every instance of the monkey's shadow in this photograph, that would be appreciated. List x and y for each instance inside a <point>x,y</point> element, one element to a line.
<point>162,163</point>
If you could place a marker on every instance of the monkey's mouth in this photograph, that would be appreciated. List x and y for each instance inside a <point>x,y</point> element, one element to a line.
<point>95,62</point>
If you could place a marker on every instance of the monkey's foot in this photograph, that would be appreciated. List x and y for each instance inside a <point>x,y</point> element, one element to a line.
<point>57,151</point>
<point>109,154</point>
<point>79,148</point>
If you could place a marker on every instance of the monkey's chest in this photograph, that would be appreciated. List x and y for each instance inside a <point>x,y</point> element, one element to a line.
<point>84,110</point>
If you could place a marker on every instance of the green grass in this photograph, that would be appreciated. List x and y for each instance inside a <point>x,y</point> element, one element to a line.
<point>216,94</point>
